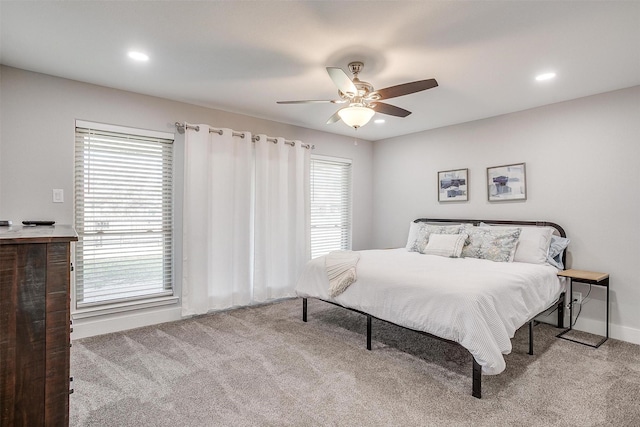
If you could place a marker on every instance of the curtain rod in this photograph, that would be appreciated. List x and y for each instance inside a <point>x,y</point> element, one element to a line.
<point>255,138</point>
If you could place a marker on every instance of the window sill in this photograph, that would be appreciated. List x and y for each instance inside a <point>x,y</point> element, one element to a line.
<point>84,313</point>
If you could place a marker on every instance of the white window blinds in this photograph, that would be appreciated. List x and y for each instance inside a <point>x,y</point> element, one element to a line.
<point>330,205</point>
<point>123,215</point>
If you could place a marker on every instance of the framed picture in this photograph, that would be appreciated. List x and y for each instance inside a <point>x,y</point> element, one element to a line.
<point>453,185</point>
<point>507,183</point>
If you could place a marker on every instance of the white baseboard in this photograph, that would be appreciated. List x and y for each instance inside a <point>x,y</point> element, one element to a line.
<point>98,325</point>
<point>92,323</point>
<point>598,327</point>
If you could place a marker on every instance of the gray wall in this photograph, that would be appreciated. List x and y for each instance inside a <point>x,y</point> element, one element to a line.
<point>582,169</point>
<point>37,140</point>
<point>37,119</point>
<point>583,172</point>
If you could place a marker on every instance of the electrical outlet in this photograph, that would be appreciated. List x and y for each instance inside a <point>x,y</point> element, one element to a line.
<point>58,195</point>
<point>577,297</point>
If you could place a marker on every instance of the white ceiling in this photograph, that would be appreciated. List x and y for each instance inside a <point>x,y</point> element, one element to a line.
<point>244,56</point>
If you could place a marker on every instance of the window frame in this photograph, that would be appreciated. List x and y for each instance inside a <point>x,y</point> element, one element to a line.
<point>113,306</point>
<point>346,243</point>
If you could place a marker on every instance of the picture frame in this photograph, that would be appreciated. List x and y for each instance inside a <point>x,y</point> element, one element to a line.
<point>453,185</point>
<point>507,182</point>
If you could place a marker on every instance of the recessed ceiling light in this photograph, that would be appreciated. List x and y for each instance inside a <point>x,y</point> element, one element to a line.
<point>378,121</point>
<point>138,56</point>
<point>545,76</point>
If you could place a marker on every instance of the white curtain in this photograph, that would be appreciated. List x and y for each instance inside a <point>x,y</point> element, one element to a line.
<point>282,242</point>
<point>217,220</point>
<point>246,219</point>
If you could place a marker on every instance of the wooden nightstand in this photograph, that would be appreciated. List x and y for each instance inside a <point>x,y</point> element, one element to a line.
<point>590,277</point>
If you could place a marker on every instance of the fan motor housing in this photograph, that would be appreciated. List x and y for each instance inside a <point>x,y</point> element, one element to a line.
<point>355,67</point>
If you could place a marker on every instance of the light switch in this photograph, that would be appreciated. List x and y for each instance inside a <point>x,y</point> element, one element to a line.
<point>58,195</point>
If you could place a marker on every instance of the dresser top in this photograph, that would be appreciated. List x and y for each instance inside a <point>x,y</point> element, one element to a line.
<point>18,234</point>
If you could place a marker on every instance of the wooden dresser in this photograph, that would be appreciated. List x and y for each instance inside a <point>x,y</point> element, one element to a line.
<point>35,325</point>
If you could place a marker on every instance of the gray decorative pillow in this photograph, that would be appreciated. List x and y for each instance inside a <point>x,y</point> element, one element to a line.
<point>494,244</point>
<point>419,234</point>
<point>533,244</point>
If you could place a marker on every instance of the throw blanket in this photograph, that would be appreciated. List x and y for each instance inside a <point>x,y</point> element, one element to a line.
<point>341,270</point>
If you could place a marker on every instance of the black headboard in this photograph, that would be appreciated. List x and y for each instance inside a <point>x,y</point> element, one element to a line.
<point>559,229</point>
<point>498,221</point>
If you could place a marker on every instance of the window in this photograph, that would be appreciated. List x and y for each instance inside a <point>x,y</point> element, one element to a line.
<point>330,205</point>
<point>123,214</point>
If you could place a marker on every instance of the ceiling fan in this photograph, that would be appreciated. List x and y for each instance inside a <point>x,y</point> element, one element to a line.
<point>363,100</point>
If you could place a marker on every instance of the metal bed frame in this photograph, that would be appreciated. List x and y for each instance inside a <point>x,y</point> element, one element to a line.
<point>476,388</point>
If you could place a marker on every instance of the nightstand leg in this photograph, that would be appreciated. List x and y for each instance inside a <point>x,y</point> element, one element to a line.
<point>368,332</point>
<point>560,335</point>
<point>570,303</point>
<point>561,304</point>
<point>607,336</point>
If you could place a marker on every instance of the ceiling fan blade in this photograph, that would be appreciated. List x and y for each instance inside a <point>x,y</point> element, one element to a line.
<point>392,110</point>
<point>342,81</point>
<point>313,101</point>
<point>334,118</point>
<point>406,88</point>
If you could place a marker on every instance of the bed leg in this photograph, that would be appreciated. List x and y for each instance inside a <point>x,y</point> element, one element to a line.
<point>368,332</point>
<point>531,337</point>
<point>304,309</point>
<point>477,380</point>
<point>561,310</point>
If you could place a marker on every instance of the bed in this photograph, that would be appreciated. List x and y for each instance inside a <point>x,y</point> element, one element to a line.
<point>477,303</point>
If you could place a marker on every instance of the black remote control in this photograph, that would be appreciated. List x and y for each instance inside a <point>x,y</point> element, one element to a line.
<point>38,222</point>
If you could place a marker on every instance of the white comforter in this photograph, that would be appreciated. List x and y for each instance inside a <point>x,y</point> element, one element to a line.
<point>477,303</point>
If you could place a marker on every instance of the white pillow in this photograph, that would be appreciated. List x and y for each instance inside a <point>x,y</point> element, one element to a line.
<point>416,234</point>
<point>533,243</point>
<point>449,245</point>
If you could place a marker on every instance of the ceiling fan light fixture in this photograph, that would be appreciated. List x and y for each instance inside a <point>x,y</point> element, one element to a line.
<point>356,116</point>
<point>362,98</point>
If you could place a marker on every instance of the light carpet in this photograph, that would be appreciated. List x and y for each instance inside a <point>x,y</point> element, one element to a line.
<point>263,366</point>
